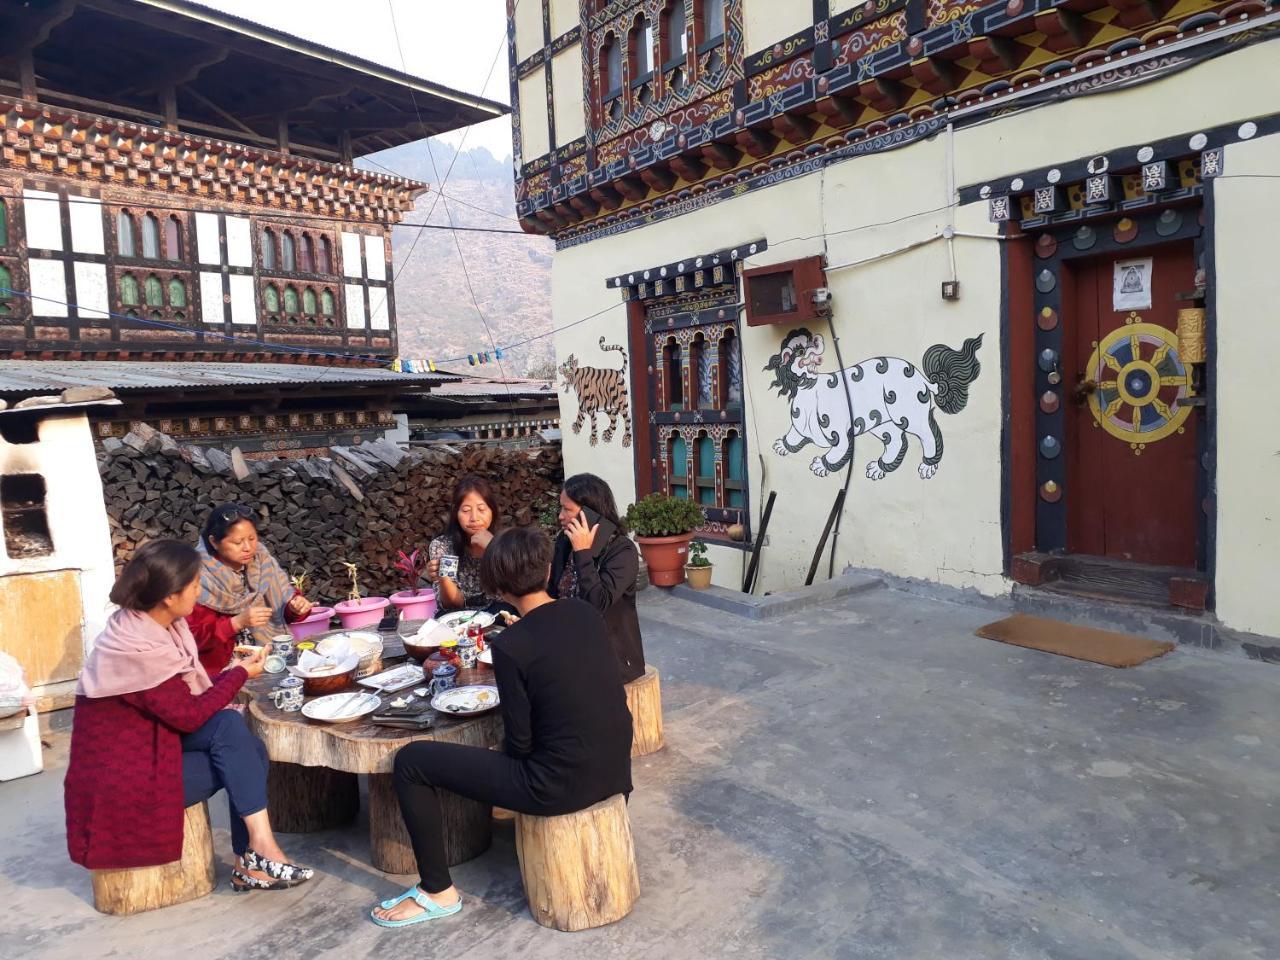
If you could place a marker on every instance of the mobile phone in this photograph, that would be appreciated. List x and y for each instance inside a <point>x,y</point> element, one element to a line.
<point>449,567</point>
<point>590,516</point>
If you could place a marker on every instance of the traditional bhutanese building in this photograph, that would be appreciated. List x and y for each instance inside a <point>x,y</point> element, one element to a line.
<point>991,280</point>
<point>177,186</point>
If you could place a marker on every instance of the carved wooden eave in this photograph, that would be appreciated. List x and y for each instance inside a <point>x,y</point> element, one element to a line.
<point>52,141</point>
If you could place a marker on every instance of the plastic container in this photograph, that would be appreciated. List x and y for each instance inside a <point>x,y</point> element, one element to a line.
<point>365,612</point>
<point>415,606</point>
<point>317,621</point>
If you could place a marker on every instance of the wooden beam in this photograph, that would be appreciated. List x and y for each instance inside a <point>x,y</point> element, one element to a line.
<point>689,167</point>
<point>585,205</point>
<point>758,143</point>
<point>23,28</point>
<point>996,54</point>
<point>841,110</point>
<point>607,197</point>
<point>795,128</point>
<point>721,155</point>
<point>179,71</point>
<point>1063,29</point>
<point>282,133</point>
<point>344,147</point>
<point>659,177</point>
<point>169,108</point>
<point>935,74</point>
<point>233,120</point>
<point>27,75</point>
<point>633,188</point>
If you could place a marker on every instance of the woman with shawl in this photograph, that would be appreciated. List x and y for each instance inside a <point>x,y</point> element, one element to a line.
<point>244,592</point>
<point>151,737</point>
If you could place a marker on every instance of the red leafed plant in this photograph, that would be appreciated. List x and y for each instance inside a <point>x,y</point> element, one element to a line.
<point>411,567</point>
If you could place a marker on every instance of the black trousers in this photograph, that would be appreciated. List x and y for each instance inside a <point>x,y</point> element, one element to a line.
<point>488,776</point>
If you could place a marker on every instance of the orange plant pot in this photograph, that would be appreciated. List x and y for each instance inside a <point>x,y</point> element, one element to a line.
<point>665,557</point>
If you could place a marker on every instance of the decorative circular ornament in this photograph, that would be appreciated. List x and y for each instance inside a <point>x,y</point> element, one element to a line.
<point>1168,223</point>
<point>1048,359</point>
<point>1098,165</point>
<point>915,45</point>
<point>1050,492</point>
<point>1125,230</point>
<point>823,84</point>
<point>1046,281</point>
<point>663,271</point>
<point>1145,155</point>
<point>1016,184</point>
<point>1141,384</point>
<point>1050,448</point>
<point>1049,401</point>
<point>1014,7</point>
<point>1054,175</point>
<point>656,130</point>
<point>1047,319</point>
<point>984,191</point>
<point>1046,246</point>
<point>1084,238</point>
<point>1199,141</point>
<point>1248,130</point>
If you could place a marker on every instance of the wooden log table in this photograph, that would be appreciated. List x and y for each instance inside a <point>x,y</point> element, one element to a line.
<point>314,766</point>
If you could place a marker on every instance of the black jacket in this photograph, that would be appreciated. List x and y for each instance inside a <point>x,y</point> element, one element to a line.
<point>607,580</point>
<point>563,707</point>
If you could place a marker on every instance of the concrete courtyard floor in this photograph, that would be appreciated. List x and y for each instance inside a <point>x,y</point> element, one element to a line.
<point>866,780</point>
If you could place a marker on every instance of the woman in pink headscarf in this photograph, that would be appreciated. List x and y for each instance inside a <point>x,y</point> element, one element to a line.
<point>151,735</point>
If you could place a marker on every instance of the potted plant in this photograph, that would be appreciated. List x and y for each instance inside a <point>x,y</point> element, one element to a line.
<point>317,621</point>
<point>357,611</point>
<point>663,526</point>
<point>414,603</point>
<point>698,569</point>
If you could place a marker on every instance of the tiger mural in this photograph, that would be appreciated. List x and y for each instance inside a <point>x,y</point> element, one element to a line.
<point>600,390</point>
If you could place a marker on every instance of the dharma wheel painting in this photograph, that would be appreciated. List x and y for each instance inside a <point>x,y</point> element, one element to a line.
<point>1141,383</point>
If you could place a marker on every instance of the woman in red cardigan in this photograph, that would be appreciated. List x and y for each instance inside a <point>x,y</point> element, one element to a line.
<point>243,590</point>
<point>150,735</point>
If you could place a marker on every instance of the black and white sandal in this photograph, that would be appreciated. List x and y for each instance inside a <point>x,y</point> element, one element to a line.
<point>277,870</point>
<point>242,883</point>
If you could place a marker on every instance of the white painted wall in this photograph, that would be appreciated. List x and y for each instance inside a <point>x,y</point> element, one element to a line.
<point>528,29</point>
<point>565,16</point>
<point>947,529</point>
<point>75,510</point>
<point>1247,287</point>
<point>566,88</point>
<point>765,22</point>
<point>533,117</point>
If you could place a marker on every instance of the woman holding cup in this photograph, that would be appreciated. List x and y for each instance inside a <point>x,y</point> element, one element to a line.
<point>454,565</point>
<point>245,595</point>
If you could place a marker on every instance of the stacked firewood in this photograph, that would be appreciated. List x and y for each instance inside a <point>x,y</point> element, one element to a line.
<point>360,505</point>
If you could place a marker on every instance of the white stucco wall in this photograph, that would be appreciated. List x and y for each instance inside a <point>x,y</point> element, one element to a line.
<point>765,22</point>
<point>565,15</point>
<point>948,528</point>
<point>528,29</point>
<point>1246,206</point>
<point>566,86</point>
<point>533,117</point>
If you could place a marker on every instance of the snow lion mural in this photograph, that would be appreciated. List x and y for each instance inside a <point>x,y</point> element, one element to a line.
<point>891,398</point>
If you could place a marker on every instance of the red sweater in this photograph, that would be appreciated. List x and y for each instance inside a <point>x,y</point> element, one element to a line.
<point>123,791</point>
<point>216,637</point>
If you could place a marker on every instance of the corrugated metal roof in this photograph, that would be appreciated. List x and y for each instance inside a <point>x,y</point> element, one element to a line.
<point>498,389</point>
<point>53,376</point>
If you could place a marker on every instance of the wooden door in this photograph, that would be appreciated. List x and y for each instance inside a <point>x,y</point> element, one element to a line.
<point>1131,440</point>
<point>41,618</point>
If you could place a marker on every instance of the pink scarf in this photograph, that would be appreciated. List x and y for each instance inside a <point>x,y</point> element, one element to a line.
<point>134,653</point>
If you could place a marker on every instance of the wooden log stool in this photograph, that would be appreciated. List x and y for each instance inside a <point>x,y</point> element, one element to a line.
<point>644,700</point>
<point>135,889</point>
<point>304,799</point>
<point>579,869</point>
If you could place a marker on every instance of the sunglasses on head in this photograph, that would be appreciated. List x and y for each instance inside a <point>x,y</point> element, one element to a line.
<point>235,512</point>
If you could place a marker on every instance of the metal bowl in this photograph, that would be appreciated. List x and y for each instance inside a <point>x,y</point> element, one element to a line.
<point>419,651</point>
<point>316,686</point>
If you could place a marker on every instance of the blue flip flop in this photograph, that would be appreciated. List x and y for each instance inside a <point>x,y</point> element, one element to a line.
<point>433,910</point>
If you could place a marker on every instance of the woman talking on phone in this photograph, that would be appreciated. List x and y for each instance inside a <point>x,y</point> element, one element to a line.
<point>596,561</point>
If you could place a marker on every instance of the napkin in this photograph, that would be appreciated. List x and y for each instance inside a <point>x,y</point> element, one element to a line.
<point>433,633</point>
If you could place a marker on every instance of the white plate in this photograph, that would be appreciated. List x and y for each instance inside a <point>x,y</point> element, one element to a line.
<point>465,701</point>
<point>486,656</point>
<point>466,618</point>
<point>348,663</point>
<point>341,707</point>
<point>397,678</point>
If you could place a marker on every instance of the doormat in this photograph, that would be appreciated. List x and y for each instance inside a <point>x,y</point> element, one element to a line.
<point>1080,643</point>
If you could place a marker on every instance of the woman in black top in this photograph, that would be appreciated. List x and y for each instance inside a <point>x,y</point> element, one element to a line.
<point>568,730</point>
<point>596,561</point>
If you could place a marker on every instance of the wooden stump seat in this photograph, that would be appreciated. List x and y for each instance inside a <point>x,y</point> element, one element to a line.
<point>644,700</point>
<point>307,799</point>
<point>135,889</point>
<point>579,869</point>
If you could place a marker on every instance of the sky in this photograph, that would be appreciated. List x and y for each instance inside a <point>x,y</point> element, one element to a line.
<point>439,43</point>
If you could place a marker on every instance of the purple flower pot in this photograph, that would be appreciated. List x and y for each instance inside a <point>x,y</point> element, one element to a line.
<point>415,606</point>
<point>317,621</point>
<point>364,612</point>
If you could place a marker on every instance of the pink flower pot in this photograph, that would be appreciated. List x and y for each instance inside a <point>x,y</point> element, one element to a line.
<point>415,606</point>
<point>317,621</point>
<point>367,611</point>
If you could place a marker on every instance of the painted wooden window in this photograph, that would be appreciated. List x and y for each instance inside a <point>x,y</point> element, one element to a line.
<point>326,302</point>
<point>150,237</point>
<point>784,292</point>
<point>309,302</point>
<point>173,238</point>
<point>705,465</point>
<point>307,255</point>
<point>4,225</point>
<point>290,299</point>
<point>712,20</point>
<point>673,370</point>
<point>729,365</point>
<point>268,249</point>
<point>675,39</point>
<point>325,262</point>
<point>702,363</point>
<point>735,459</point>
<point>678,457</point>
<point>125,239</point>
<point>611,67</point>
<point>271,298</point>
<point>128,288</point>
<point>154,291</point>
<point>177,293</point>
<point>6,284</point>
<point>288,257</point>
